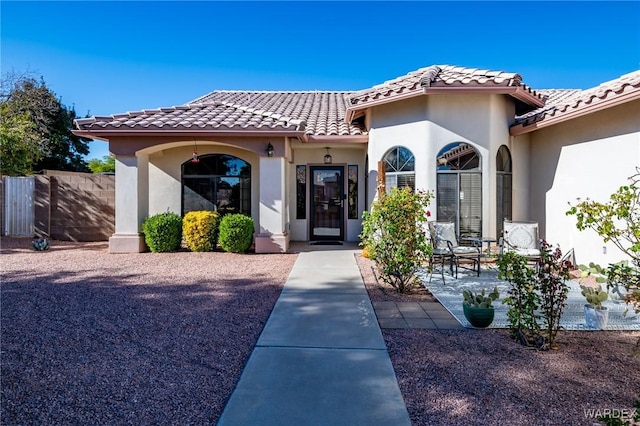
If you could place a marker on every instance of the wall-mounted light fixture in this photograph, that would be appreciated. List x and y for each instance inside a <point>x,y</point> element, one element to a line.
<point>269,150</point>
<point>327,157</point>
<point>194,156</point>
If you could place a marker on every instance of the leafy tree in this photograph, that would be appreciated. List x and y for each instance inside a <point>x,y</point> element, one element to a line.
<point>105,165</point>
<point>47,141</point>
<point>393,234</point>
<point>18,147</point>
<point>618,221</point>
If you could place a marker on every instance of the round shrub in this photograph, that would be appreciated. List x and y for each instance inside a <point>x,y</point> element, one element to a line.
<point>236,233</point>
<point>200,230</point>
<point>163,232</point>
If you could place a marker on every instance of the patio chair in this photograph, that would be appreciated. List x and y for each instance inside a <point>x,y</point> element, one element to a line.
<point>445,245</point>
<point>521,238</point>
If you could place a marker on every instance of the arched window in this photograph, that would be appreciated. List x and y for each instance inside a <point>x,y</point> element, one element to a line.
<point>504,185</point>
<point>399,168</point>
<point>217,182</point>
<point>459,188</point>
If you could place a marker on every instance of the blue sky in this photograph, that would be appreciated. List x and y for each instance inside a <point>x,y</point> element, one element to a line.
<point>111,57</point>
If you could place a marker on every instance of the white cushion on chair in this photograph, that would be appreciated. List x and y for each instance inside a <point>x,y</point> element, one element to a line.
<point>445,232</point>
<point>527,252</point>
<point>466,250</point>
<point>522,235</point>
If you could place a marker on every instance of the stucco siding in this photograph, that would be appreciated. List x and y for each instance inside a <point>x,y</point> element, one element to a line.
<point>587,157</point>
<point>427,124</point>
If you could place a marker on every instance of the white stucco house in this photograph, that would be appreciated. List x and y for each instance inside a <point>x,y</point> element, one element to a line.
<point>304,164</point>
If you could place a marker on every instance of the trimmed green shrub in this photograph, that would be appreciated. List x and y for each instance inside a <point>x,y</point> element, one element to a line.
<point>200,230</point>
<point>236,233</point>
<point>163,232</point>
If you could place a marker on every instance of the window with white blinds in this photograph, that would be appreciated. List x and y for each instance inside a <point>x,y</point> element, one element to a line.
<point>399,168</point>
<point>459,189</point>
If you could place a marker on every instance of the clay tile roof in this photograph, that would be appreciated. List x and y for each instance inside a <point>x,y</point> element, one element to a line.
<point>437,76</point>
<point>564,102</point>
<point>314,113</point>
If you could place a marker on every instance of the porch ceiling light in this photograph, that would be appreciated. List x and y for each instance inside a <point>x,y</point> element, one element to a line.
<point>270,150</point>
<point>327,157</point>
<point>194,156</point>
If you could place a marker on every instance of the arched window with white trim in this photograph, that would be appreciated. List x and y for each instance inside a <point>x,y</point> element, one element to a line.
<point>399,168</point>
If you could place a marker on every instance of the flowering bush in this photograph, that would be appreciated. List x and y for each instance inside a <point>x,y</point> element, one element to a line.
<point>393,233</point>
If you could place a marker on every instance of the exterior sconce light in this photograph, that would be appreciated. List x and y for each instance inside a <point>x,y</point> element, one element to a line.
<point>270,150</point>
<point>327,157</point>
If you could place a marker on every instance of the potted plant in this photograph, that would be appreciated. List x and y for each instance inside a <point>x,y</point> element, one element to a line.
<point>595,314</point>
<point>478,308</point>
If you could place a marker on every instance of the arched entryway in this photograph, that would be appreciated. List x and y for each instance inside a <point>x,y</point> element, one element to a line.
<point>459,188</point>
<point>219,182</point>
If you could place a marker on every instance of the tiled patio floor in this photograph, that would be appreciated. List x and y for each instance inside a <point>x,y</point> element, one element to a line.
<point>429,315</point>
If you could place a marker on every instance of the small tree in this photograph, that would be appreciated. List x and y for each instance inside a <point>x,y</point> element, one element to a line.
<point>522,297</point>
<point>618,221</point>
<point>552,276</point>
<point>394,235</point>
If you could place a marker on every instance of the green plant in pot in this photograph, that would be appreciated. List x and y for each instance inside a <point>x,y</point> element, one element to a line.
<point>478,308</point>
<point>595,314</point>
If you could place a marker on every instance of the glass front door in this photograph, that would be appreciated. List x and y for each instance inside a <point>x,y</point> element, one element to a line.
<point>327,203</point>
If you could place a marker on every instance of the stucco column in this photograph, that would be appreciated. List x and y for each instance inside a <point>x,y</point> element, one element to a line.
<point>272,236</point>
<point>132,187</point>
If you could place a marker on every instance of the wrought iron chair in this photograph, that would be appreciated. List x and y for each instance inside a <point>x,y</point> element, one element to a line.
<point>445,246</point>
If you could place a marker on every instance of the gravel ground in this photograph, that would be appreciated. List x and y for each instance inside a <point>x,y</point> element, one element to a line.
<point>482,377</point>
<point>93,338</point>
<point>89,337</point>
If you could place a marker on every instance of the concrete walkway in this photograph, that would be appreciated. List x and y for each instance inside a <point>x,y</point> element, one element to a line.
<point>321,358</point>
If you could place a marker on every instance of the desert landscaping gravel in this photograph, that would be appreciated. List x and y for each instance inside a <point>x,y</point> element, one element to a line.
<point>93,338</point>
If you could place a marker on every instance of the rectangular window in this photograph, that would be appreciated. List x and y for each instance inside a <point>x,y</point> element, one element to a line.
<point>353,192</point>
<point>301,192</point>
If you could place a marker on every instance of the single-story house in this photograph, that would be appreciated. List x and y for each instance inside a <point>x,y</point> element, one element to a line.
<point>304,164</point>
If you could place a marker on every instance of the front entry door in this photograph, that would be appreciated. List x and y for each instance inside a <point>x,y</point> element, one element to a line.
<point>327,203</point>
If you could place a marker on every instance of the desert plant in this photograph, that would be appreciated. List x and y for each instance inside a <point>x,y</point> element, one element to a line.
<point>522,298</point>
<point>594,296</point>
<point>163,232</point>
<point>479,299</point>
<point>200,230</point>
<point>41,244</point>
<point>393,233</point>
<point>593,270</point>
<point>236,233</point>
<point>551,277</point>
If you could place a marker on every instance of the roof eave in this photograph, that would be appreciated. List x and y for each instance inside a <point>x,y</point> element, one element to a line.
<point>105,134</point>
<point>546,121</point>
<point>336,138</point>
<point>351,110</point>
<point>519,92</point>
